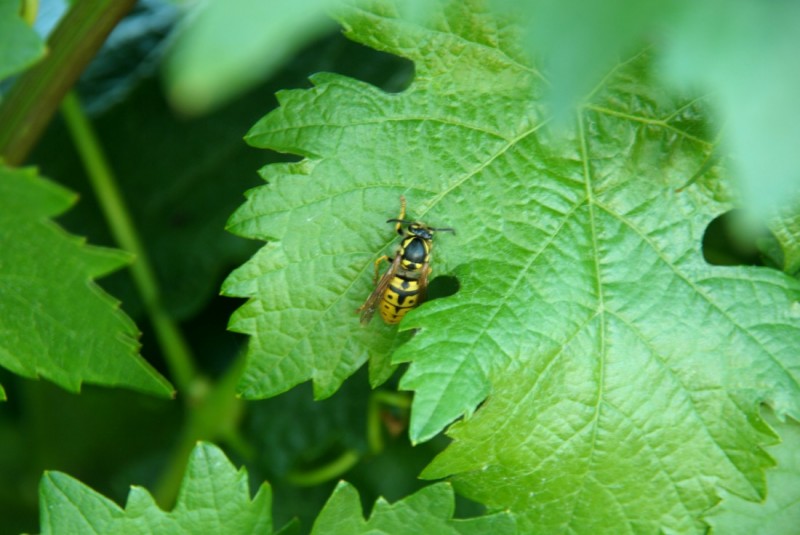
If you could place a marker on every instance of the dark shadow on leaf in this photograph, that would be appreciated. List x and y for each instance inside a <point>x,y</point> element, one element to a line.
<point>730,241</point>
<point>443,286</point>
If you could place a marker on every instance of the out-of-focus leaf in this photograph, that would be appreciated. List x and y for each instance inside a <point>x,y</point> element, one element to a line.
<point>744,53</point>
<point>779,514</point>
<point>741,51</point>
<point>578,42</point>
<point>228,46</point>
<point>54,321</point>
<point>20,46</point>
<point>214,498</point>
<point>429,510</point>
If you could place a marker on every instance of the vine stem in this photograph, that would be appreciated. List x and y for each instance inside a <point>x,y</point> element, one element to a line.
<point>377,398</point>
<point>213,410</point>
<point>349,458</point>
<point>29,105</point>
<point>176,350</point>
<point>214,415</point>
<point>323,474</point>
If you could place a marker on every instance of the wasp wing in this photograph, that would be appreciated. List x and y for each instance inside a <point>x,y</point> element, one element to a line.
<point>423,281</point>
<point>371,304</point>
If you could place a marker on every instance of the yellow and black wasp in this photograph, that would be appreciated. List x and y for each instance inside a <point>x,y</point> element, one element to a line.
<point>403,285</point>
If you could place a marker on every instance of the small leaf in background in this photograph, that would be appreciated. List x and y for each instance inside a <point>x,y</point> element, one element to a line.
<point>617,363</point>
<point>336,423</point>
<point>54,321</point>
<point>780,512</point>
<point>429,510</point>
<point>214,498</point>
<point>20,46</point>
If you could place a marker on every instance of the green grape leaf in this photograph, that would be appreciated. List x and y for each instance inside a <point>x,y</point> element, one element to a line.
<point>780,512</point>
<point>616,365</point>
<point>54,321</point>
<point>214,498</point>
<point>429,510</point>
<point>20,45</point>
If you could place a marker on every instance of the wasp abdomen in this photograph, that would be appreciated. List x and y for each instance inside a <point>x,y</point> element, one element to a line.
<point>401,296</point>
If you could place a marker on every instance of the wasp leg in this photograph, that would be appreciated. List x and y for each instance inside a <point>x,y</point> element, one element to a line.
<point>378,268</point>
<point>397,227</point>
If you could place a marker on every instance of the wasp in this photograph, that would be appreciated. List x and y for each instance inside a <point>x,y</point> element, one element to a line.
<point>403,285</point>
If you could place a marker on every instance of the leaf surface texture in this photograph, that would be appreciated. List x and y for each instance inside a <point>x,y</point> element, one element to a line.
<point>614,362</point>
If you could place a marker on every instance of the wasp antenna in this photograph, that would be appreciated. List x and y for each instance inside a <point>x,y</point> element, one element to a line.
<point>448,229</point>
<point>405,221</point>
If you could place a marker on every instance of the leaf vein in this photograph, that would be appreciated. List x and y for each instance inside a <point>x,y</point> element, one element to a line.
<point>648,121</point>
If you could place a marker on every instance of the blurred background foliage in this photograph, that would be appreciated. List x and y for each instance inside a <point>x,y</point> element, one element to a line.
<point>171,94</point>
<point>743,53</point>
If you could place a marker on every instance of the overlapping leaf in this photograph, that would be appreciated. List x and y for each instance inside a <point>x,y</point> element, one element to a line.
<point>54,321</point>
<point>214,498</point>
<point>428,511</point>
<point>618,365</point>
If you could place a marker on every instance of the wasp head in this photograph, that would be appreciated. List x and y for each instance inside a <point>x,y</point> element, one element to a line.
<point>420,230</point>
